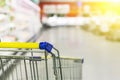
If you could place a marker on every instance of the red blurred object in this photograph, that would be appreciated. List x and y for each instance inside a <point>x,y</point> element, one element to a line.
<point>73,7</point>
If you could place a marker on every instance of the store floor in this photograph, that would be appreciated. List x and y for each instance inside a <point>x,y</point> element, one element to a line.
<point>101,57</point>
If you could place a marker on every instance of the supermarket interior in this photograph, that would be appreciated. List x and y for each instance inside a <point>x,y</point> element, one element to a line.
<point>86,31</point>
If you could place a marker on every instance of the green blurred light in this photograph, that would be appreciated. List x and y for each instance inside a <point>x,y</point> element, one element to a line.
<point>35,1</point>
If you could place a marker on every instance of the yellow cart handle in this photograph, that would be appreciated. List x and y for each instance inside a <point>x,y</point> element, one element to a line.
<point>29,45</point>
<point>19,45</point>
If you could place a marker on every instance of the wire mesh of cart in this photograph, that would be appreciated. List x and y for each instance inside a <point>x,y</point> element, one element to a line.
<point>71,68</point>
<point>48,66</point>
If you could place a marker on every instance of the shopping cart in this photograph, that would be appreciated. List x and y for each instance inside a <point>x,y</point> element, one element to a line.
<point>47,66</point>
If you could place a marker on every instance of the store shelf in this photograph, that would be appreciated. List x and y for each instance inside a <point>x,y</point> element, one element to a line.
<point>16,25</point>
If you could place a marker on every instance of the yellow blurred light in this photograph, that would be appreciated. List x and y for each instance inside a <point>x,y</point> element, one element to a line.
<point>114,0</point>
<point>111,7</point>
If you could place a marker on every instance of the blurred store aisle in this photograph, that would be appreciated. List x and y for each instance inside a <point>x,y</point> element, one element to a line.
<point>101,57</point>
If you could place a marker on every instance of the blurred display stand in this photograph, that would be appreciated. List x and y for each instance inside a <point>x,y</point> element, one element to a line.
<point>19,20</point>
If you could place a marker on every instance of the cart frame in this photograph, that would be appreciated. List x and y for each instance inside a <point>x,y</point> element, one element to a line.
<point>47,47</point>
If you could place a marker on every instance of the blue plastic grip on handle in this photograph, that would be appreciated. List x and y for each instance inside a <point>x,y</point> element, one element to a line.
<point>46,46</point>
